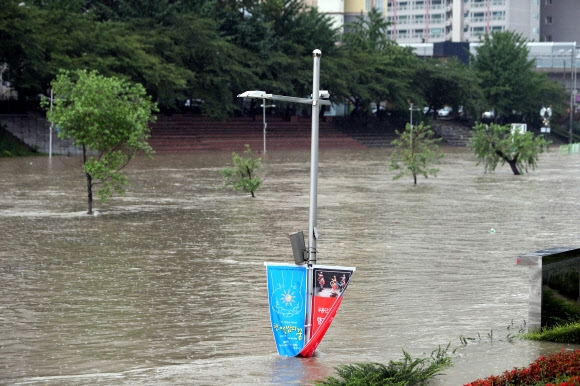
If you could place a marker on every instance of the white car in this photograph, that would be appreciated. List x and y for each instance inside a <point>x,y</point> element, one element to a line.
<point>445,112</point>
<point>488,114</point>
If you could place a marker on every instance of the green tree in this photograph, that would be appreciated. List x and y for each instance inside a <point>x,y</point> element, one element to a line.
<point>496,143</point>
<point>508,80</point>
<point>109,119</point>
<point>415,151</point>
<point>242,175</point>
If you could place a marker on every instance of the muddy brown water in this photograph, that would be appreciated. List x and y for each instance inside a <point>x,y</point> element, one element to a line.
<point>166,285</point>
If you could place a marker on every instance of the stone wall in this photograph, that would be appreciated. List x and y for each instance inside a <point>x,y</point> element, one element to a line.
<point>34,130</point>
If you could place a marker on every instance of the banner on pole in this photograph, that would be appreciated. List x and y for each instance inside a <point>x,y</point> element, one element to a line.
<point>287,295</point>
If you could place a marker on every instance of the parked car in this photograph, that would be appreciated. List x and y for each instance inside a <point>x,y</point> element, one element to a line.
<point>445,111</point>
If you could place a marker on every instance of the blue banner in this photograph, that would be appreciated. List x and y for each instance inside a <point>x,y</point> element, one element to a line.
<point>287,298</point>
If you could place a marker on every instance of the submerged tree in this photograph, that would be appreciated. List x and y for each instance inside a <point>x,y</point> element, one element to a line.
<point>242,175</point>
<point>415,150</point>
<point>108,118</point>
<point>495,143</point>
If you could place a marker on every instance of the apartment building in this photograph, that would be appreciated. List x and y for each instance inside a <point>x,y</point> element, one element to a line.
<point>430,21</point>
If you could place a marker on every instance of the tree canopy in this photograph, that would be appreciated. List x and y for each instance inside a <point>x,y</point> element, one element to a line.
<point>208,51</point>
<point>416,150</point>
<point>508,81</point>
<point>494,144</point>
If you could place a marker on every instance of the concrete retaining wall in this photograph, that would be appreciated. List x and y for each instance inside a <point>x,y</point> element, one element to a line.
<point>34,130</point>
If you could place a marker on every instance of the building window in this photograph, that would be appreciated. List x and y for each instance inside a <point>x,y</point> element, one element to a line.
<point>498,15</point>
<point>435,32</point>
<point>478,16</point>
<point>497,28</point>
<point>548,19</point>
<point>548,2</point>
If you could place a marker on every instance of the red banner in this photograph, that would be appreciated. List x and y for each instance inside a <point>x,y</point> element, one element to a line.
<point>329,285</point>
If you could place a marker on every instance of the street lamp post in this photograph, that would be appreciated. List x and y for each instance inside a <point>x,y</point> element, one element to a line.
<point>319,97</point>
<point>50,129</point>
<point>572,91</point>
<point>264,117</point>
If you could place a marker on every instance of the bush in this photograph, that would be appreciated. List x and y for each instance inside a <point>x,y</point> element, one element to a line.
<point>242,175</point>
<point>406,372</point>
<point>560,368</point>
<point>569,333</point>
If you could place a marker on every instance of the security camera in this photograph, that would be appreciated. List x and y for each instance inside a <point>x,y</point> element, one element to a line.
<point>324,94</point>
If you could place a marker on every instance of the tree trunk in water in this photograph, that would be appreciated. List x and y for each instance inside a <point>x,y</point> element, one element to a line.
<point>512,162</point>
<point>514,167</point>
<point>415,178</point>
<point>89,184</point>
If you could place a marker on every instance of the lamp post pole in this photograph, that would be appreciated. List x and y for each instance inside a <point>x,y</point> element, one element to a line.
<point>264,118</point>
<point>50,129</point>
<point>572,92</point>
<point>411,122</point>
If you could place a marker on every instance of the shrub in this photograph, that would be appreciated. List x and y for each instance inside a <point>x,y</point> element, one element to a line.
<point>569,333</point>
<point>559,367</point>
<point>242,175</point>
<point>406,372</point>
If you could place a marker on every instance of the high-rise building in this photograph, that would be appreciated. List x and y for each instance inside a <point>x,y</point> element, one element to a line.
<point>559,21</point>
<point>433,21</point>
<point>430,21</point>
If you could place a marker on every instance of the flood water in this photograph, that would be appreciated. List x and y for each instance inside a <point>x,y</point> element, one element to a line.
<point>166,285</point>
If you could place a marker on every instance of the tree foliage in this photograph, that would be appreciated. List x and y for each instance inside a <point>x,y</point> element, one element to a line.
<point>448,83</point>
<point>507,78</point>
<point>495,144</point>
<point>415,151</point>
<point>242,176</point>
<point>209,51</point>
<point>108,118</point>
